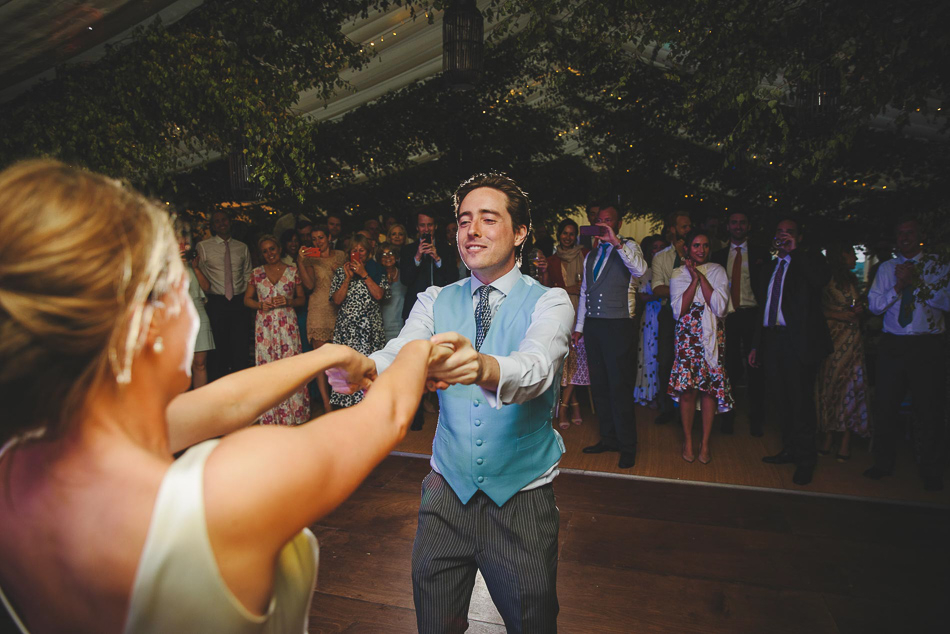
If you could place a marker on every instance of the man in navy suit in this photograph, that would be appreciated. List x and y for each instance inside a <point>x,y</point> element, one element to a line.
<point>745,265</point>
<point>790,341</point>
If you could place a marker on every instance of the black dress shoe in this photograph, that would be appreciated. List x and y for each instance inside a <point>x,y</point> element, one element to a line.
<point>599,448</point>
<point>627,459</point>
<point>663,418</point>
<point>803,474</point>
<point>876,473</point>
<point>782,457</point>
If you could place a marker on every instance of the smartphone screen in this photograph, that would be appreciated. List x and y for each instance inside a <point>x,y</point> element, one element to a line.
<point>593,230</point>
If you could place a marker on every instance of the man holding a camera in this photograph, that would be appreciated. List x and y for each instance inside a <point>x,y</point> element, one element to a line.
<point>421,265</point>
<point>604,317</point>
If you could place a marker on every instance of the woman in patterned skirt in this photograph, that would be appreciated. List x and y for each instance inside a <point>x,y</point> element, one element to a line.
<point>841,390</point>
<point>699,296</point>
<point>357,288</point>
<point>646,387</point>
<point>274,290</point>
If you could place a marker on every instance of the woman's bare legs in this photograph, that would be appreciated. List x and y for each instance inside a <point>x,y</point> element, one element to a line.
<point>687,412</point>
<point>322,385</point>
<point>199,370</point>
<point>709,404</point>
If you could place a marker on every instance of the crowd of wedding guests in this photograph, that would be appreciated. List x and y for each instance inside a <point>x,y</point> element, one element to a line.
<point>680,322</point>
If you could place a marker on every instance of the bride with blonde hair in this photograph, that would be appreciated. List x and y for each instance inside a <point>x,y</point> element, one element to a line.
<point>101,528</point>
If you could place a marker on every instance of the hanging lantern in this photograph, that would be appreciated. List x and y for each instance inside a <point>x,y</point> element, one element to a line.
<point>818,95</point>
<point>462,44</point>
<point>241,186</point>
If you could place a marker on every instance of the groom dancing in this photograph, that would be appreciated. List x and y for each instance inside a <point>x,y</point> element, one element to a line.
<point>488,503</point>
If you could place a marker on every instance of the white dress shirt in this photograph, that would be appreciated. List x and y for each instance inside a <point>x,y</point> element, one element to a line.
<point>663,269</point>
<point>928,314</point>
<point>211,263</point>
<point>632,258</point>
<point>746,297</point>
<point>525,373</point>
<point>780,319</point>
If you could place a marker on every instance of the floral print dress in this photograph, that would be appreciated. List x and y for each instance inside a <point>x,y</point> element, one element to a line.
<point>359,324</point>
<point>699,327</point>
<point>277,336</point>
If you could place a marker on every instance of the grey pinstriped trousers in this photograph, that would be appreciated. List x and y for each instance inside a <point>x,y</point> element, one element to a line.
<point>514,546</point>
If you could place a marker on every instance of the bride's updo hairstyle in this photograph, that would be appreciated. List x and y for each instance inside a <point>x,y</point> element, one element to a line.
<point>83,263</point>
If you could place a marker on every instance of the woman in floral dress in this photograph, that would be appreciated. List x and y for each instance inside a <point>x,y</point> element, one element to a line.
<point>841,390</point>
<point>699,296</point>
<point>357,288</point>
<point>274,290</point>
<point>646,387</point>
<point>316,273</point>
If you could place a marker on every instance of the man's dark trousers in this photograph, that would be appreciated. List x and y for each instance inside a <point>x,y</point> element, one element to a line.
<point>230,325</point>
<point>740,333</point>
<point>791,393</point>
<point>611,347</point>
<point>917,363</point>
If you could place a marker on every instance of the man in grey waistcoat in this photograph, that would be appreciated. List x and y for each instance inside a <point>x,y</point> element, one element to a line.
<point>605,319</point>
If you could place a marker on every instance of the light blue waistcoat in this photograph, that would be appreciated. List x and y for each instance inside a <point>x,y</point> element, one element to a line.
<point>499,451</point>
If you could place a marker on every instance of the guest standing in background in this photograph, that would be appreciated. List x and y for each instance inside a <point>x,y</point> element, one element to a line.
<point>791,341</point>
<point>274,291</point>
<point>745,265</point>
<point>397,237</point>
<point>605,319</point>
<point>646,386</point>
<point>912,354</point>
<point>678,225</point>
<point>226,263</point>
<point>198,285</point>
<point>357,288</point>
<point>565,269</point>
<point>290,243</point>
<point>699,297</point>
<point>392,305</point>
<point>841,390</point>
<point>316,274</point>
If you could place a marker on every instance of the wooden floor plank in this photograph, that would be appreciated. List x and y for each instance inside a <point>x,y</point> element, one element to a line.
<point>651,556</point>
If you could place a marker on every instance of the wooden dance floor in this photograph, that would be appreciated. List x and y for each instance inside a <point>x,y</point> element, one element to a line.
<point>648,555</point>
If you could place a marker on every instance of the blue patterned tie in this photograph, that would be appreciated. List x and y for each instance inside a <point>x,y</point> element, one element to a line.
<point>776,296</point>
<point>600,259</point>
<point>906,314</point>
<point>482,315</point>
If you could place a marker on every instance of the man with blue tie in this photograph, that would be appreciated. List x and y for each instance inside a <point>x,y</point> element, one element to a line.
<point>911,354</point>
<point>791,340</point>
<point>488,503</point>
<point>605,319</point>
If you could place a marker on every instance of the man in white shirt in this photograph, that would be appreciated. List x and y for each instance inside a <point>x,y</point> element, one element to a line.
<point>226,263</point>
<point>488,503</point>
<point>605,319</point>
<point>664,263</point>
<point>911,354</point>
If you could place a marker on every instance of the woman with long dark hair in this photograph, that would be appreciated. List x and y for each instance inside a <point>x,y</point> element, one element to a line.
<point>699,297</point>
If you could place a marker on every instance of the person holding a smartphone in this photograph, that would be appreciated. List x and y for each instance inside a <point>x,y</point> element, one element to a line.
<point>358,288</point>
<point>605,319</point>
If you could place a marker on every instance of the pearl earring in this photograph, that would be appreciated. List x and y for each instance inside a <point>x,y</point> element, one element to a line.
<point>159,346</point>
